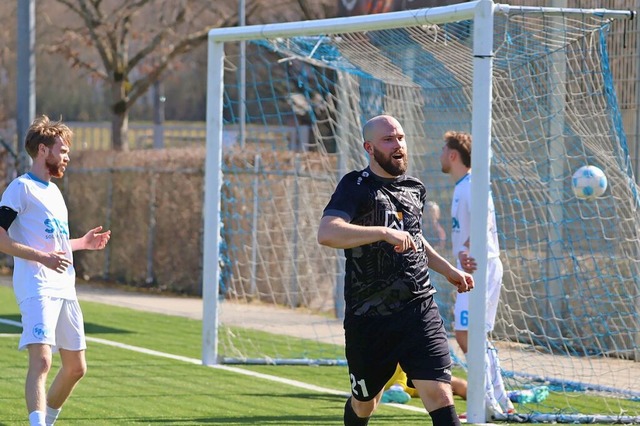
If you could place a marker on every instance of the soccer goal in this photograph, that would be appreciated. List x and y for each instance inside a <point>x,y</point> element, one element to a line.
<point>533,85</point>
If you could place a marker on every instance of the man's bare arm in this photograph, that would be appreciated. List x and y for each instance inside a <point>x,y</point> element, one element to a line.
<point>54,260</point>
<point>338,233</point>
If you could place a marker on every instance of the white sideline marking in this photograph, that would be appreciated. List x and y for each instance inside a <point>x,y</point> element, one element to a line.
<point>290,382</point>
<point>9,322</point>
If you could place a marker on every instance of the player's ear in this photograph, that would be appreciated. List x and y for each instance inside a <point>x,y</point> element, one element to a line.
<point>367,147</point>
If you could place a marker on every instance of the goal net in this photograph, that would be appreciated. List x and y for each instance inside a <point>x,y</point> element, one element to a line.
<point>286,126</point>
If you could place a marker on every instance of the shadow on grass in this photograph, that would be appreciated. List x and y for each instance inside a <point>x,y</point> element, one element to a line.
<point>330,414</point>
<point>339,400</point>
<point>306,420</point>
<point>89,328</point>
<point>9,328</point>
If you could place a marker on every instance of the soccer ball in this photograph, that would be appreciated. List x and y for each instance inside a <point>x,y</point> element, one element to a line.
<point>589,182</point>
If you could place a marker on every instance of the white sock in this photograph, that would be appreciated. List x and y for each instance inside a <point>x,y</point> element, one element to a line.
<point>490,397</point>
<point>37,418</point>
<point>52,415</point>
<point>495,372</point>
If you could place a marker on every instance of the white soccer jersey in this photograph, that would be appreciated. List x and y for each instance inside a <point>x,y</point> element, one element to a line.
<point>461,220</point>
<point>41,223</point>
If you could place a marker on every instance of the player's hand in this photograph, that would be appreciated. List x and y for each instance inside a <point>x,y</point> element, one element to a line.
<point>96,240</point>
<point>461,279</point>
<point>467,262</point>
<point>401,240</point>
<point>57,261</point>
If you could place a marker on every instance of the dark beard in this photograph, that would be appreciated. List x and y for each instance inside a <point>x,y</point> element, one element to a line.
<point>55,169</point>
<point>387,163</point>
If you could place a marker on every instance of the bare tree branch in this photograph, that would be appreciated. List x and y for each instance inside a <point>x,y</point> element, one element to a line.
<point>137,41</point>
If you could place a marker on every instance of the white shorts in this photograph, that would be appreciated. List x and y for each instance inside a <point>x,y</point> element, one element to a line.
<point>494,284</point>
<point>52,321</point>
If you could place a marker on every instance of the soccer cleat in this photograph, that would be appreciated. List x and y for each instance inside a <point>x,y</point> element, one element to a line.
<point>494,411</point>
<point>396,394</point>
<point>514,417</point>
<point>511,416</point>
<point>525,396</point>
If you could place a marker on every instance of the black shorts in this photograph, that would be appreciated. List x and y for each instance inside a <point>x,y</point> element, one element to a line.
<point>415,338</point>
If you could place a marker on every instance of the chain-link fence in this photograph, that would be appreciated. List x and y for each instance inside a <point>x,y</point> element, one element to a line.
<point>152,202</point>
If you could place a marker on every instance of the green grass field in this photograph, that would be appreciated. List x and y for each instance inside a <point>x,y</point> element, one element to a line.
<point>127,386</point>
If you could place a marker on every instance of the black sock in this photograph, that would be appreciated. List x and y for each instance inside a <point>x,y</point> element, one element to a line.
<point>351,418</point>
<point>445,416</point>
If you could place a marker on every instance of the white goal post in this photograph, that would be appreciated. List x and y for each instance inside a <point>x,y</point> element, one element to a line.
<point>482,13</point>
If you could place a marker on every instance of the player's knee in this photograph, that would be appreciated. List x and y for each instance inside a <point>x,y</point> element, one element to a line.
<point>40,365</point>
<point>77,371</point>
<point>39,361</point>
<point>459,387</point>
<point>364,408</point>
<point>442,398</point>
<point>434,394</point>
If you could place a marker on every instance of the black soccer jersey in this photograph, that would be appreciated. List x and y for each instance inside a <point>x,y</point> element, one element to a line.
<point>378,280</point>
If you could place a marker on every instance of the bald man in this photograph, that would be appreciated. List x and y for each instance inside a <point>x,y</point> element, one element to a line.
<point>375,215</point>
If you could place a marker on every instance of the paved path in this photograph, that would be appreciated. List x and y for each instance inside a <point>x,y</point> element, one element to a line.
<point>255,316</point>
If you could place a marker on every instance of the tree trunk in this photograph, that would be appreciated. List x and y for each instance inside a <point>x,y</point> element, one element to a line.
<point>120,131</point>
<point>120,111</point>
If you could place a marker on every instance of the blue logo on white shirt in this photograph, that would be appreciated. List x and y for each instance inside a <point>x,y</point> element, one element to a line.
<point>53,225</point>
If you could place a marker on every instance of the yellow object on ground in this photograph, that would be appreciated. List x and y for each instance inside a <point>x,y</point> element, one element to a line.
<point>400,378</point>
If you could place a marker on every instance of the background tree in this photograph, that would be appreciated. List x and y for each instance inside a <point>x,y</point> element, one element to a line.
<point>130,44</point>
<point>75,39</point>
<point>8,14</point>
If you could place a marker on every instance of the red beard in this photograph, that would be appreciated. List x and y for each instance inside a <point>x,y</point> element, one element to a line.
<point>56,169</point>
<point>390,164</point>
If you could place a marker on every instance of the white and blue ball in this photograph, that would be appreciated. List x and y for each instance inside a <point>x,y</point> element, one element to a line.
<point>589,182</point>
